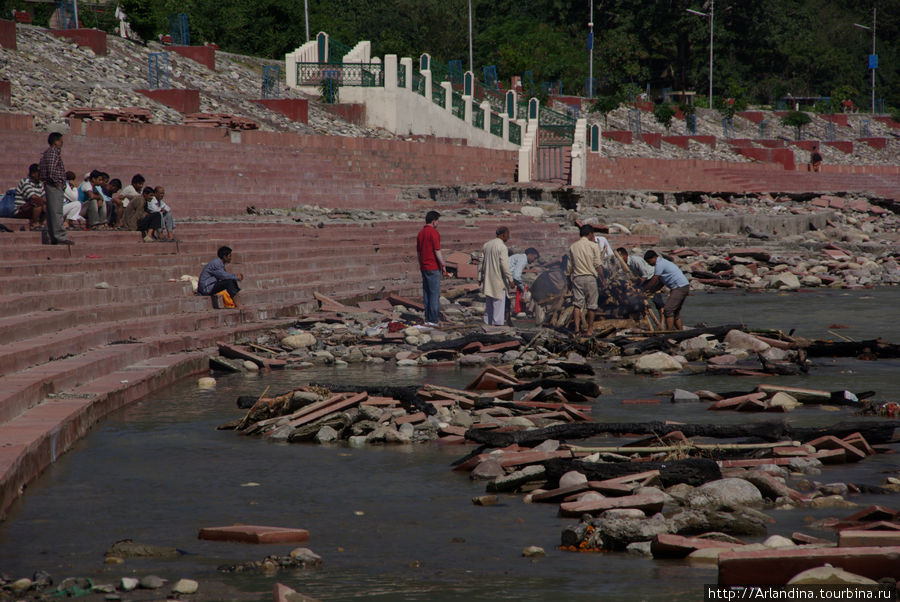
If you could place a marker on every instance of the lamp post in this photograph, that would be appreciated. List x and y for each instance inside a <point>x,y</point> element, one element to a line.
<point>711,16</point>
<point>873,58</point>
<point>590,46</point>
<point>306,12</point>
<point>471,63</point>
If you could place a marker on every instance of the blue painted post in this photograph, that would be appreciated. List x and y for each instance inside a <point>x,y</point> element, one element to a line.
<point>468,83</point>
<point>322,46</point>
<point>534,108</point>
<point>425,62</point>
<point>595,138</point>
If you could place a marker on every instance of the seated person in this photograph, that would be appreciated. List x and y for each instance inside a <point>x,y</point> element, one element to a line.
<point>126,219</point>
<point>815,160</point>
<point>151,222</point>
<point>214,278</point>
<point>72,206</point>
<point>168,222</point>
<point>93,208</point>
<point>112,197</point>
<point>31,200</point>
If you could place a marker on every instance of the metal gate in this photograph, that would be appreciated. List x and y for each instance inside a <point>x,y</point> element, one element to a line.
<point>552,164</point>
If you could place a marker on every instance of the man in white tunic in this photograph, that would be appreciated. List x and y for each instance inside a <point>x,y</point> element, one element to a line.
<point>495,277</point>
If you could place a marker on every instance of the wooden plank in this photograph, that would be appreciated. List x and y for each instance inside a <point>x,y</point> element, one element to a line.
<point>798,393</point>
<point>238,352</point>
<point>410,418</point>
<point>531,457</point>
<point>339,405</point>
<point>668,545</point>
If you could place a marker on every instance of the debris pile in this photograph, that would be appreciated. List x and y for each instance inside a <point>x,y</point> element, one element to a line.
<point>388,415</point>
<point>125,114</point>
<point>219,120</point>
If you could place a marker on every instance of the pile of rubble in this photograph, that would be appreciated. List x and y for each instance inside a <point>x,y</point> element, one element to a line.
<point>50,75</point>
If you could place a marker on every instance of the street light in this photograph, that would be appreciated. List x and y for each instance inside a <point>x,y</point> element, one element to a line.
<point>873,58</point>
<point>711,15</point>
<point>306,12</point>
<point>471,67</point>
<point>590,46</point>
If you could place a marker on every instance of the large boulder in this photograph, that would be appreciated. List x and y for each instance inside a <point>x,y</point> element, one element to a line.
<point>733,521</point>
<point>615,533</point>
<point>738,339</point>
<point>656,362</point>
<point>730,493</point>
<point>298,341</point>
<point>784,280</point>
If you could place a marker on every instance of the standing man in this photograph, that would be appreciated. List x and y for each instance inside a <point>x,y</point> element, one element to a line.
<point>53,175</point>
<point>667,273</point>
<point>215,278</point>
<point>582,270</point>
<point>495,276</point>
<point>431,264</point>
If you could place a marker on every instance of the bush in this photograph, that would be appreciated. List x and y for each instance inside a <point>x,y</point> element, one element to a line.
<point>664,114</point>
<point>330,90</point>
<point>796,120</point>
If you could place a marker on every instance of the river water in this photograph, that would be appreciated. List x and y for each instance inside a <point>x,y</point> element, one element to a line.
<point>395,523</point>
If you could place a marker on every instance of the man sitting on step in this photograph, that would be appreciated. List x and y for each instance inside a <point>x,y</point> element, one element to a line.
<point>215,278</point>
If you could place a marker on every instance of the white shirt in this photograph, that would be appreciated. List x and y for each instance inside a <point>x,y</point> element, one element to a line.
<point>605,249</point>
<point>71,193</point>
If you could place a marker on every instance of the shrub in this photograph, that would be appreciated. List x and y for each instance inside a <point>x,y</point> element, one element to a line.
<point>606,105</point>
<point>664,114</point>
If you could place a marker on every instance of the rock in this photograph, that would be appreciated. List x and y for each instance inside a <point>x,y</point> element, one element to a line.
<point>102,285</point>
<point>250,366</point>
<point>301,398</point>
<point>306,557</point>
<point>326,434</point>
<point>778,541</point>
<point>532,211</point>
<point>573,477</point>
<point>298,341</point>
<point>472,360</point>
<point>513,481</point>
<point>831,501</point>
<point>733,521</point>
<point>834,489</point>
<point>20,586</point>
<point>185,586</point>
<point>129,549</point>
<point>768,485</point>
<point>322,357</point>
<point>386,434</point>
<point>640,548</point>
<point>656,362</point>
<point>829,575</point>
<point>679,492</point>
<point>724,492</point>
<point>612,533</point>
<point>533,552</point>
<point>487,470</point>
<point>784,280</point>
<point>152,582</point>
<point>128,583</point>
<point>680,395</point>
<point>784,401</point>
<point>206,382</point>
<point>550,445</point>
<point>737,339</point>
<point>809,466</point>
<point>408,362</point>
<point>773,354</point>
<point>485,500</point>
<point>706,556</point>
<point>624,513</point>
<point>357,441</point>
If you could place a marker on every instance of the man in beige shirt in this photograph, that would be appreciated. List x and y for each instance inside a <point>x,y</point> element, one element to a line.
<point>584,262</point>
<point>495,277</point>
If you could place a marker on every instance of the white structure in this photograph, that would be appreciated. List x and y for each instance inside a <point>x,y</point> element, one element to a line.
<point>579,154</point>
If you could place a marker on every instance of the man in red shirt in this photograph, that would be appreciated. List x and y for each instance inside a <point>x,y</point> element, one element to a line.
<point>431,264</point>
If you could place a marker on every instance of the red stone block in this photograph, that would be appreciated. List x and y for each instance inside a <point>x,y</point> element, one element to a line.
<point>753,116</point>
<point>183,101</point>
<point>295,109</point>
<point>5,93</point>
<point>853,454</point>
<point>618,136</point>
<point>355,113</point>
<point>654,140</point>
<point>807,145</point>
<point>838,118</point>
<point>92,38</point>
<point>667,545</point>
<point>467,270</point>
<point>879,143</point>
<point>254,534</point>
<point>681,141</point>
<point>7,34</point>
<point>850,538</point>
<point>205,55</point>
<point>889,122</point>
<point>845,146</point>
<point>777,567</point>
<point>873,513</point>
<point>650,504</point>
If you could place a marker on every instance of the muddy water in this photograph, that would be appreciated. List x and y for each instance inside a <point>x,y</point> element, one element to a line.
<point>392,523</point>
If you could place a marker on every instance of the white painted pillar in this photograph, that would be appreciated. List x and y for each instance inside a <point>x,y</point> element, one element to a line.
<point>448,96</point>
<point>427,75</point>
<point>486,108</point>
<point>468,115</point>
<point>390,72</point>
<point>505,127</point>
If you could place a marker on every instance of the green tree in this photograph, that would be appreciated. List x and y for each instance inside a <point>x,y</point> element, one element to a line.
<point>796,120</point>
<point>606,104</point>
<point>664,114</point>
